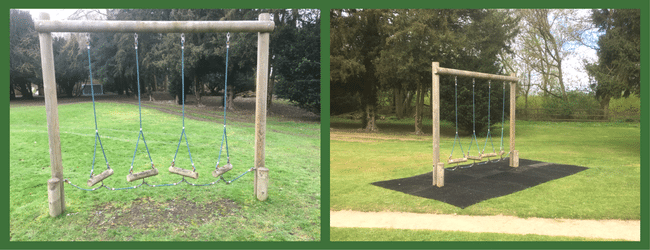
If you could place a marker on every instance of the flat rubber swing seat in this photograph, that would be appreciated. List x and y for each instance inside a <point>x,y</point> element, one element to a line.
<point>183,172</point>
<point>221,170</point>
<point>142,175</point>
<point>100,177</point>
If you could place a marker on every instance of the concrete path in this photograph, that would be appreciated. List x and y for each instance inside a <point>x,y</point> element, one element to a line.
<point>605,229</point>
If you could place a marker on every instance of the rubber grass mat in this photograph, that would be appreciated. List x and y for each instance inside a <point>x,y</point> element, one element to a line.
<point>466,186</point>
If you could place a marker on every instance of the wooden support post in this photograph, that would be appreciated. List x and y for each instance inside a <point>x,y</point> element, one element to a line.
<point>260,184</point>
<point>438,167</point>
<point>56,194</point>
<point>514,154</point>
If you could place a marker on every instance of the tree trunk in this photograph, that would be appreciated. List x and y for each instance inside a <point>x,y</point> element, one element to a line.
<point>399,103</point>
<point>371,118</point>
<point>419,101</point>
<point>166,83</point>
<point>269,93</point>
<point>407,103</point>
<point>604,105</point>
<point>12,92</point>
<point>269,90</point>
<point>230,103</point>
<point>197,91</point>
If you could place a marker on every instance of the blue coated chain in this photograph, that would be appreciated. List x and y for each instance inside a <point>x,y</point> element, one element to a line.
<point>489,135</point>
<point>137,64</point>
<point>473,121</point>
<point>92,93</point>
<point>183,99</point>
<point>456,137</point>
<point>224,137</point>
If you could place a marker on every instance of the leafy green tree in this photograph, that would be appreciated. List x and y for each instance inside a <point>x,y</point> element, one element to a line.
<point>461,39</point>
<point>71,60</point>
<point>355,43</point>
<point>618,70</point>
<point>295,47</point>
<point>24,54</point>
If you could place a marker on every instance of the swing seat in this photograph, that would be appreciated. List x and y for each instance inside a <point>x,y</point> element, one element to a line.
<point>142,175</point>
<point>457,160</point>
<point>183,172</point>
<point>100,177</point>
<point>493,154</point>
<point>476,158</point>
<point>501,152</point>
<point>221,170</point>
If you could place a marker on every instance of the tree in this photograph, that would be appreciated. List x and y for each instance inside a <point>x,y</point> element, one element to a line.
<point>71,60</point>
<point>24,54</point>
<point>295,48</point>
<point>462,39</point>
<point>355,42</point>
<point>617,72</point>
<point>549,36</point>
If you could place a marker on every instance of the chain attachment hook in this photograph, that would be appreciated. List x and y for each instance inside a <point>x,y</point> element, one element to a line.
<point>182,40</point>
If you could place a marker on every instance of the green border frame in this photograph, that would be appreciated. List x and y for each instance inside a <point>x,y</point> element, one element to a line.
<point>325,243</point>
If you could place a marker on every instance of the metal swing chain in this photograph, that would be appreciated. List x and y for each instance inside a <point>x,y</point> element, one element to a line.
<point>503,118</point>
<point>183,179</point>
<point>489,135</point>
<point>137,64</point>
<point>456,136</point>
<point>92,93</point>
<point>473,120</point>
<point>183,100</point>
<point>224,137</point>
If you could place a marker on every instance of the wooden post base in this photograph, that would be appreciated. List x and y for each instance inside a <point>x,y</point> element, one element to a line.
<point>514,158</point>
<point>100,177</point>
<point>142,175</point>
<point>183,172</point>
<point>54,197</point>
<point>439,174</point>
<point>261,183</point>
<point>221,170</point>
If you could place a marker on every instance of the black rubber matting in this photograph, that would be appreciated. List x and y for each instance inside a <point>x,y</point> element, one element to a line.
<point>467,186</point>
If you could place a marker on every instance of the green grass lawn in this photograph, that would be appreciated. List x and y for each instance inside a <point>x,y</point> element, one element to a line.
<point>379,234</point>
<point>177,213</point>
<point>609,189</point>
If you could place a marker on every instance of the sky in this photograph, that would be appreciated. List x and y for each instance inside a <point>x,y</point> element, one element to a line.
<point>576,77</point>
<point>55,14</point>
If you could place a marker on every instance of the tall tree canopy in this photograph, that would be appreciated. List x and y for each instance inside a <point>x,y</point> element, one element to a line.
<point>392,51</point>
<point>355,43</point>
<point>294,58</point>
<point>24,54</point>
<point>617,72</point>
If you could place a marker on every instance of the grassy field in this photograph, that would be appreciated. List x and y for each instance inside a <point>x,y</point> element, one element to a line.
<point>176,213</point>
<point>609,189</point>
<point>377,234</point>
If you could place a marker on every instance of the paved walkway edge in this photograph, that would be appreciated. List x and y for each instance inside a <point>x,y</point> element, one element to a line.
<point>605,229</point>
